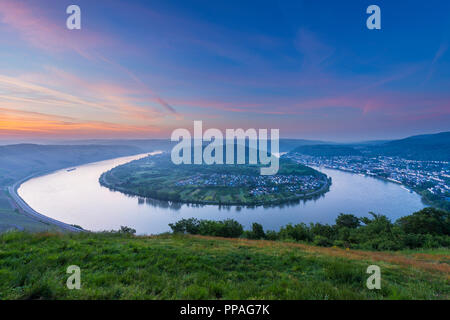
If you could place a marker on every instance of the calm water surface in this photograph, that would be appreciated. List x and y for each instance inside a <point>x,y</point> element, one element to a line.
<point>76,197</point>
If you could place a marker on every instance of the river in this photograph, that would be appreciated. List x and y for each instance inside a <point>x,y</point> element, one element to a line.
<point>76,197</point>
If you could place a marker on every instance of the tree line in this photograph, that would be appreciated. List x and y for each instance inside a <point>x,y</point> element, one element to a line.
<point>427,228</point>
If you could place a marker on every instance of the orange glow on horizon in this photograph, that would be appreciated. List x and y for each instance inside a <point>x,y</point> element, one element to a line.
<point>27,124</point>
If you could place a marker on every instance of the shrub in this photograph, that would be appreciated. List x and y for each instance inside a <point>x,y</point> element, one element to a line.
<point>228,228</point>
<point>426,221</point>
<point>326,230</point>
<point>299,232</point>
<point>127,230</point>
<point>322,241</point>
<point>190,226</point>
<point>257,232</point>
<point>428,228</point>
<point>272,235</point>
<point>347,221</point>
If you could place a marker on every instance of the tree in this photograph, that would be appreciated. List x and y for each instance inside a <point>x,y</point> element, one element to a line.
<point>347,221</point>
<point>127,230</point>
<point>190,226</point>
<point>426,221</point>
<point>257,231</point>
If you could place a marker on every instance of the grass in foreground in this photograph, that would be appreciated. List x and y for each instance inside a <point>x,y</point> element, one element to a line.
<point>117,266</point>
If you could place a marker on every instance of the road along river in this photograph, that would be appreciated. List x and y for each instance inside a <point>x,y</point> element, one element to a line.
<point>76,197</point>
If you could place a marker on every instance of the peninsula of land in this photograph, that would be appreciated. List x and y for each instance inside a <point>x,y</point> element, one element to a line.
<point>158,178</point>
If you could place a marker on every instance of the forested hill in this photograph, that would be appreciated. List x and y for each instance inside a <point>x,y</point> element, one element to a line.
<point>20,160</point>
<point>422,147</point>
<point>327,150</point>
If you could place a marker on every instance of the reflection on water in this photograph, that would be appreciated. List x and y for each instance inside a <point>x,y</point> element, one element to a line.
<point>76,197</point>
<point>165,204</point>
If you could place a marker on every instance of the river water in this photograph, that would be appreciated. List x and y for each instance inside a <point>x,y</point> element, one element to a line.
<point>76,197</point>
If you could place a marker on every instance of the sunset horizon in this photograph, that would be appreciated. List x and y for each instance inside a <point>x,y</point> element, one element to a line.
<point>320,75</point>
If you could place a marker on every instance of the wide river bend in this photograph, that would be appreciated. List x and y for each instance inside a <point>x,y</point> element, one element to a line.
<point>76,197</point>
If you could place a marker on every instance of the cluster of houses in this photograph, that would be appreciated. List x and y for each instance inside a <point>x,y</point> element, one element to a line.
<point>258,184</point>
<point>435,175</point>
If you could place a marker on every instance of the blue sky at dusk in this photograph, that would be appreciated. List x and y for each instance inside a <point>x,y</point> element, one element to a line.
<point>139,69</point>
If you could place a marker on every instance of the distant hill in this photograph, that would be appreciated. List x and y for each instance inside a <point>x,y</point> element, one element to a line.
<point>421,147</point>
<point>166,145</point>
<point>287,145</point>
<point>327,150</point>
<point>20,160</point>
<point>145,145</point>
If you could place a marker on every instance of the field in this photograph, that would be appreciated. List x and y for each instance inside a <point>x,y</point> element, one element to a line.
<point>121,266</point>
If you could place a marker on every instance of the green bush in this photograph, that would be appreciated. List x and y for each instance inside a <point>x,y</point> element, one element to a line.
<point>426,221</point>
<point>186,226</point>
<point>348,221</point>
<point>322,241</point>
<point>227,228</point>
<point>428,228</point>
<point>127,230</point>
<point>298,232</point>
<point>256,233</point>
<point>323,230</point>
<point>272,235</point>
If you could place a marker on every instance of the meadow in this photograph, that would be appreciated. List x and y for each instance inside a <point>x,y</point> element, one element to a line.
<point>118,265</point>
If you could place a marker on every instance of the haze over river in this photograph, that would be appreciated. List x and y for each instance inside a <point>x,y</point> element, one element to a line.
<point>76,197</point>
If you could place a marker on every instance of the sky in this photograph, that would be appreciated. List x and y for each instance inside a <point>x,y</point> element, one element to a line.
<point>140,69</point>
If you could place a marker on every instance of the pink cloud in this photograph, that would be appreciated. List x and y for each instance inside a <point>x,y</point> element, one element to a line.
<point>43,33</point>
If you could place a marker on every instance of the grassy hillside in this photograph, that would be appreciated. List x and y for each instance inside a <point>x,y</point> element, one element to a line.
<point>120,266</point>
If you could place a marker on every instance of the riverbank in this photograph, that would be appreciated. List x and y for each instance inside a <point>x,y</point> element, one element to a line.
<point>30,212</point>
<point>12,217</point>
<point>25,209</point>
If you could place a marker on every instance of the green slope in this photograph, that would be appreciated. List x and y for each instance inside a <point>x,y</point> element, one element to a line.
<point>118,266</point>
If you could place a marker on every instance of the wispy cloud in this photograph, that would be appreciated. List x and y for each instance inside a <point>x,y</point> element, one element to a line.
<point>167,67</point>
<point>315,53</point>
<point>107,107</point>
<point>40,31</point>
<point>439,53</point>
<point>43,33</point>
<point>141,84</point>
